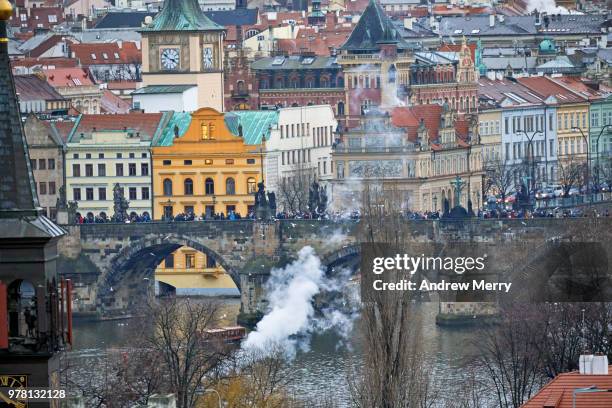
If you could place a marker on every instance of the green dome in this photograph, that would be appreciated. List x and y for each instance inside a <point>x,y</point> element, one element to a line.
<point>547,46</point>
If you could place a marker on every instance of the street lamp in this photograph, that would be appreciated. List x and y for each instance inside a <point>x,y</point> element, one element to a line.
<point>201,391</point>
<point>530,147</point>
<point>597,149</point>
<point>588,148</point>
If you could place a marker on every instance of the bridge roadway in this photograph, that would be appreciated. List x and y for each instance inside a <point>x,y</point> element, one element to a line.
<point>108,262</point>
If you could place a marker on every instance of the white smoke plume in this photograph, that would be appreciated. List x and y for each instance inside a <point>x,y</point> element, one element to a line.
<point>548,6</point>
<point>291,320</point>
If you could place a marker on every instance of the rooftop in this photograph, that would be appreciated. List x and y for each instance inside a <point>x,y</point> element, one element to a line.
<point>255,124</point>
<point>68,77</point>
<point>162,89</point>
<point>294,62</point>
<point>182,15</point>
<point>146,124</point>
<point>33,87</point>
<point>559,392</point>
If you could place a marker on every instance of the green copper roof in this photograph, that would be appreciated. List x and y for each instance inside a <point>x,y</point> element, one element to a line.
<point>182,15</point>
<point>180,119</point>
<point>255,124</point>
<point>162,89</point>
<point>547,46</point>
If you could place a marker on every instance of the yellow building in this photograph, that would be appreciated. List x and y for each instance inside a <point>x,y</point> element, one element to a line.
<point>201,168</point>
<point>572,115</point>
<point>191,272</point>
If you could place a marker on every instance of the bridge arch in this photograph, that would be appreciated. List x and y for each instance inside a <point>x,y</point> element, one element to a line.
<point>139,260</point>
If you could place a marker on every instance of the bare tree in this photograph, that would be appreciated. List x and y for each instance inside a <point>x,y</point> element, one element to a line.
<point>509,358</point>
<point>293,189</point>
<point>178,336</point>
<point>393,373</point>
<point>571,174</point>
<point>500,176</point>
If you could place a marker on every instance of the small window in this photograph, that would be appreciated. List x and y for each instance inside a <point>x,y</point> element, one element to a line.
<point>88,156</point>
<point>144,155</point>
<point>251,185</point>
<point>119,155</point>
<point>208,161</point>
<point>250,161</point>
<point>229,161</point>
<point>100,155</point>
<point>209,186</point>
<point>167,162</point>
<point>187,162</point>
<point>132,155</point>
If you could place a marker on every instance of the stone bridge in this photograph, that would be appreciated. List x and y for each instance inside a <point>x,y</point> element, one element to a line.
<point>109,262</point>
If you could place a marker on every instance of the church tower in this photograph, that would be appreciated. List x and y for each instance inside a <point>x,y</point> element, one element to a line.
<point>183,47</point>
<point>35,314</point>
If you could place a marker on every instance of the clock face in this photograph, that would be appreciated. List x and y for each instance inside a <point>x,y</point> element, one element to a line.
<point>170,58</point>
<point>207,57</point>
<point>15,382</point>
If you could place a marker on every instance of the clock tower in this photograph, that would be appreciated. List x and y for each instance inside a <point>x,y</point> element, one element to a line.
<point>181,48</point>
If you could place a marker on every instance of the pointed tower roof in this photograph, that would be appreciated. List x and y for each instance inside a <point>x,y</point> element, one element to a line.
<point>19,209</point>
<point>17,187</point>
<point>182,15</point>
<point>374,28</point>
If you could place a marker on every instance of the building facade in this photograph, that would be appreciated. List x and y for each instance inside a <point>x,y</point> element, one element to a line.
<point>201,168</point>
<point>47,162</point>
<point>415,152</point>
<point>103,151</point>
<point>298,148</point>
<point>185,53</point>
<point>300,80</point>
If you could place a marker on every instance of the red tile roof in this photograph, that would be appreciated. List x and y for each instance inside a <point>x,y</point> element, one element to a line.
<point>63,128</point>
<point>144,123</point>
<point>410,117</point>
<point>111,103</point>
<point>33,87</point>
<point>68,77</point>
<point>559,392</point>
<point>579,86</point>
<point>106,53</point>
<point>546,87</point>
<point>44,63</point>
<point>457,48</point>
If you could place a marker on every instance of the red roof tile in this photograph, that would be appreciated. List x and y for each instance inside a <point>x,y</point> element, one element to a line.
<point>111,103</point>
<point>559,392</point>
<point>546,87</point>
<point>106,53</point>
<point>144,123</point>
<point>68,77</point>
<point>410,117</point>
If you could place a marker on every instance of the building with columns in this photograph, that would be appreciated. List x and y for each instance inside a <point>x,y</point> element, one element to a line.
<point>415,151</point>
<point>181,47</point>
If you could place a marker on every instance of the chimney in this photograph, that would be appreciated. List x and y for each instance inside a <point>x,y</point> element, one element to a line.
<point>408,21</point>
<point>593,364</point>
<point>491,20</point>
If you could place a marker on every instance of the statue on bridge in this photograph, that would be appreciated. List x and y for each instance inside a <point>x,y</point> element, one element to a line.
<point>317,199</point>
<point>457,212</point>
<point>120,205</point>
<point>262,208</point>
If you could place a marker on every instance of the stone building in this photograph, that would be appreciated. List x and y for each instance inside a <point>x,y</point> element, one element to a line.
<point>415,151</point>
<point>105,150</point>
<point>300,80</point>
<point>47,161</point>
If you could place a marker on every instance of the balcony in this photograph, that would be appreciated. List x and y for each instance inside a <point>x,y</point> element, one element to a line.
<point>240,93</point>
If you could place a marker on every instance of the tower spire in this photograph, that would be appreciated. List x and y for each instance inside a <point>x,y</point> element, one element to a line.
<point>17,187</point>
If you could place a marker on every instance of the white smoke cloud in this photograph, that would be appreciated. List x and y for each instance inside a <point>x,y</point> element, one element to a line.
<point>291,321</point>
<point>548,6</point>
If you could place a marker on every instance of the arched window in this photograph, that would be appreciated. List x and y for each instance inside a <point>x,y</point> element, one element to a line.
<point>324,82</point>
<point>209,186</point>
<point>340,82</point>
<point>188,186</point>
<point>251,185</point>
<point>230,186</point>
<point>167,187</point>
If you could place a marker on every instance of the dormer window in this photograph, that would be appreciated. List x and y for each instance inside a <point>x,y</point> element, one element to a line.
<point>93,56</point>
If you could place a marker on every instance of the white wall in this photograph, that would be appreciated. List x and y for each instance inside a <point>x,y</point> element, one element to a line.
<point>179,102</point>
<point>293,141</point>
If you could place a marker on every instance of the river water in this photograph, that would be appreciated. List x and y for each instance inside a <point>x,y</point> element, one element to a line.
<point>323,369</point>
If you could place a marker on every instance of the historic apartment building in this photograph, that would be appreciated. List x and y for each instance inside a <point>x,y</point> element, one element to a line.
<point>300,80</point>
<point>182,49</point>
<point>417,152</point>
<point>201,168</point>
<point>107,150</point>
<point>46,148</point>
